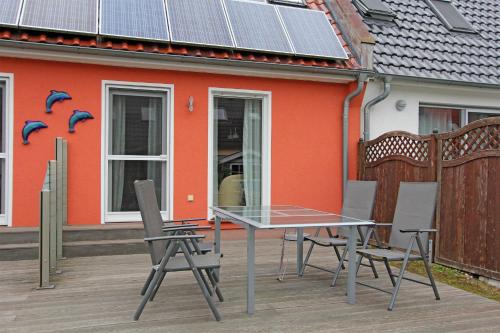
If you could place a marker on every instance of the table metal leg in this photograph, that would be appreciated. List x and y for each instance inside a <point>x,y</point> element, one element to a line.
<point>351,278</point>
<point>250,269</point>
<point>300,250</point>
<point>217,241</point>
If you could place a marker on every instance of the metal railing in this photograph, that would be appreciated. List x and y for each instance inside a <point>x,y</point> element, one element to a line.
<point>53,214</point>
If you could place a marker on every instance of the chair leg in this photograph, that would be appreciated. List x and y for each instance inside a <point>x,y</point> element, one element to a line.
<point>282,266</point>
<point>147,294</point>
<point>427,268</point>
<point>400,276</point>
<point>338,256</point>
<point>207,285</point>
<point>389,271</point>
<point>374,270</point>
<point>306,261</point>
<point>157,287</point>
<point>211,277</point>
<point>148,281</point>
<point>340,267</point>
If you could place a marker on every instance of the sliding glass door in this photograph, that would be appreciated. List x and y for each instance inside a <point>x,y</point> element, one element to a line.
<point>136,150</point>
<point>238,150</point>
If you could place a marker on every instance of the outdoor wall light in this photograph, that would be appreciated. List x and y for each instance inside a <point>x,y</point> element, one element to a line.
<point>400,104</point>
<point>191,103</point>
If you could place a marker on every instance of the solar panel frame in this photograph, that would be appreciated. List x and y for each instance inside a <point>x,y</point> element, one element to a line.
<point>184,42</point>
<point>167,39</point>
<point>234,33</point>
<point>342,55</point>
<point>4,23</point>
<point>56,29</point>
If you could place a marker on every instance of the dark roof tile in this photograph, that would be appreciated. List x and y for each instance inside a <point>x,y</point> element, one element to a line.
<point>417,44</point>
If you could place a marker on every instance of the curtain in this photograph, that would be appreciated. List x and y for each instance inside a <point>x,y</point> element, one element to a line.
<point>215,154</point>
<point>435,119</point>
<point>252,148</point>
<point>118,148</point>
<point>154,144</point>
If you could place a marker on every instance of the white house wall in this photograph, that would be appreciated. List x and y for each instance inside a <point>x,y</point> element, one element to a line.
<point>384,117</point>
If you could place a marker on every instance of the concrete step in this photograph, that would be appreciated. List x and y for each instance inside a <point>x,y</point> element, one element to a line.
<point>18,235</point>
<point>112,231</point>
<point>11,252</point>
<point>104,248</point>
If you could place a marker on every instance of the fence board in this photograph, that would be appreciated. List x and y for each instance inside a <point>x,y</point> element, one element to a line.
<point>466,164</point>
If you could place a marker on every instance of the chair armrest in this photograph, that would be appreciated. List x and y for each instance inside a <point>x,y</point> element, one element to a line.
<point>175,237</point>
<point>187,228</point>
<point>417,230</point>
<point>185,220</point>
<point>175,225</point>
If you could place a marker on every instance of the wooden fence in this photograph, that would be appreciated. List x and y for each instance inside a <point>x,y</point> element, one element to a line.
<point>466,164</point>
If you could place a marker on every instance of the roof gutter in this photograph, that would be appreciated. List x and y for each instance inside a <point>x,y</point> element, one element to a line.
<point>80,54</point>
<point>345,128</point>
<point>372,103</point>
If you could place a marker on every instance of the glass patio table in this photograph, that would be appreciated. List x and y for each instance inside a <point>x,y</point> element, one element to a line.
<point>280,217</point>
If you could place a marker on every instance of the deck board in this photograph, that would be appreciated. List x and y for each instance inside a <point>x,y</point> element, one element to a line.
<point>100,294</point>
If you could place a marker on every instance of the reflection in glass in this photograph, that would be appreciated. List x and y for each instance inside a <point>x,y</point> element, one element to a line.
<point>237,152</point>
<point>122,176</point>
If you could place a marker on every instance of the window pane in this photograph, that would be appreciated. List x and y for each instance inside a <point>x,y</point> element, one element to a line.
<point>2,117</point>
<point>438,119</point>
<point>473,116</point>
<point>137,124</point>
<point>2,184</point>
<point>238,150</point>
<point>121,183</point>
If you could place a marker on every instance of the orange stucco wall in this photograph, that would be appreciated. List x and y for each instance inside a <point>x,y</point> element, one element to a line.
<point>306,136</point>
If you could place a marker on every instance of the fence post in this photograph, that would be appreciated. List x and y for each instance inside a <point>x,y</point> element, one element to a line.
<point>53,215</point>
<point>59,195</point>
<point>44,236</point>
<point>361,159</point>
<point>438,159</point>
<point>65,181</point>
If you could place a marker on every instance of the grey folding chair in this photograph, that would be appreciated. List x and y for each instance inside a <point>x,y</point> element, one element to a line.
<point>190,228</point>
<point>358,203</point>
<point>163,248</point>
<point>411,226</point>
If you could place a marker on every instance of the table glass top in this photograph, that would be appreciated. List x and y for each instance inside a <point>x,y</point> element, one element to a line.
<point>284,216</point>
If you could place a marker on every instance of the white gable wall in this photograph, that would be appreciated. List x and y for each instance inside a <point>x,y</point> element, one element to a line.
<point>384,117</point>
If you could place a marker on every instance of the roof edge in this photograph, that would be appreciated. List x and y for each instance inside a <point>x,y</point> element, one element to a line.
<point>113,57</point>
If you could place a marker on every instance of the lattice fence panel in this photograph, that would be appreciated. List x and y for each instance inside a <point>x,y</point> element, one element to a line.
<point>398,145</point>
<point>476,140</point>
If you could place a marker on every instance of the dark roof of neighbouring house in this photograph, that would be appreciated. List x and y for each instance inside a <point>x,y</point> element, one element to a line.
<point>201,52</point>
<point>418,44</point>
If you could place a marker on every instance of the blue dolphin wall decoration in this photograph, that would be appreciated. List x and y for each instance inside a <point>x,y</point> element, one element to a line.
<point>78,116</point>
<point>55,96</point>
<point>30,127</point>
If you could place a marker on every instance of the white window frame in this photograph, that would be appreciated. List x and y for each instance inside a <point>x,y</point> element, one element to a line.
<point>478,110</point>
<point>464,110</point>
<point>266,97</point>
<point>7,82</point>
<point>168,90</point>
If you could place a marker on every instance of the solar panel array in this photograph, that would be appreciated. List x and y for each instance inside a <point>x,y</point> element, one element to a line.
<point>199,22</point>
<point>134,19</point>
<point>60,15</point>
<point>232,24</point>
<point>9,12</point>
<point>311,33</point>
<point>252,32</point>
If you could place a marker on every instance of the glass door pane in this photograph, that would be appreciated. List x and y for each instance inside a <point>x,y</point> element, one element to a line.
<point>237,152</point>
<point>473,116</point>
<point>136,147</point>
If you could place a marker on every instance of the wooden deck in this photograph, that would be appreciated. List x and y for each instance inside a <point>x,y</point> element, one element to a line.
<point>100,294</point>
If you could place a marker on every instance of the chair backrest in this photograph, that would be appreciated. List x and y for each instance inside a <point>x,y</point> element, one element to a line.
<point>415,209</point>
<point>151,217</point>
<point>359,201</point>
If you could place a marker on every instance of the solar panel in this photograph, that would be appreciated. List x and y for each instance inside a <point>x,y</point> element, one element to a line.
<point>311,33</point>
<point>257,26</point>
<point>137,19</point>
<point>9,12</point>
<point>60,15</point>
<point>201,22</point>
